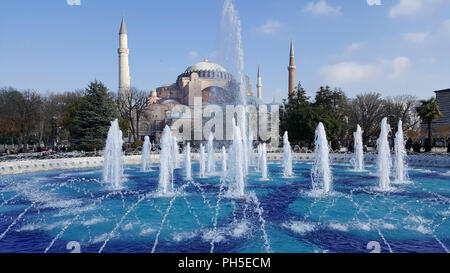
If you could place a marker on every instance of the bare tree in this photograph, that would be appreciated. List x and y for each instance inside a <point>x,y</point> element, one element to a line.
<point>26,112</point>
<point>366,110</point>
<point>402,108</point>
<point>132,107</point>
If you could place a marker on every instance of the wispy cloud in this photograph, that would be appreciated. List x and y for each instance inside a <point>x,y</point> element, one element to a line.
<point>399,66</point>
<point>414,7</point>
<point>353,72</point>
<point>270,27</point>
<point>73,2</point>
<point>415,37</point>
<point>374,2</point>
<point>193,55</point>
<point>322,8</point>
<point>354,47</point>
<point>347,73</point>
<point>406,7</point>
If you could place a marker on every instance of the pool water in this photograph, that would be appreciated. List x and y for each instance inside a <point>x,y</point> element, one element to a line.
<point>74,210</point>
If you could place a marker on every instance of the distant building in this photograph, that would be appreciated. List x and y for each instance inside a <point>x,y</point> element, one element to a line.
<point>206,80</point>
<point>442,125</point>
<point>443,98</point>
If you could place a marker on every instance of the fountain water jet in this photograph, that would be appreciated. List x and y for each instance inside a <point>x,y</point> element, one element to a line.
<point>166,163</point>
<point>400,154</point>
<point>264,162</point>
<point>321,172</point>
<point>384,162</point>
<point>237,173</point>
<point>187,161</point>
<point>113,162</point>
<point>175,152</point>
<point>146,156</point>
<point>259,163</point>
<point>358,160</point>
<point>287,156</point>
<point>202,161</point>
<point>211,167</point>
<point>224,162</point>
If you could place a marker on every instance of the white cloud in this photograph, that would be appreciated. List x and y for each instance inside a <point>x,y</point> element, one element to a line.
<point>415,37</point>
<point>352,72</point>
<point>399,67</point>
<point>73,2</point>
<point>414,7</point>
<point>446,27</point>
<point>406,7</point>
<point>322,8</point>
<point>270,27</point>
<point>193,55</point>
<point>354,47</point>
<point>347,72</point>
<point>374,2</point>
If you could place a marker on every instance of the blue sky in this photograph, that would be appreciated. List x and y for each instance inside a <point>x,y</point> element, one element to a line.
<point>398,47</point>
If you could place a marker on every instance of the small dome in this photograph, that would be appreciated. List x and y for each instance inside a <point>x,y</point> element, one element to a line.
<point>205,66</point>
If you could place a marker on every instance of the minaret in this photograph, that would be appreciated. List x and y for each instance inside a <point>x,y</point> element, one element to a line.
<point>124,67</point>
<point>292,69</point>
<point>259,85</point>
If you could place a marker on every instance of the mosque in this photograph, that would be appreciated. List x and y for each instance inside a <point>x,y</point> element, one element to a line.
<point>206,80</point>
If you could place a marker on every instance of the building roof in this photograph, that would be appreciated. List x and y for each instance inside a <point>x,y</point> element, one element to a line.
<point>443,90</point>
<point>205,66</point>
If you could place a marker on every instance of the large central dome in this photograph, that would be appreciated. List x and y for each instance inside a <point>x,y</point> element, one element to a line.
<point>205,66</point>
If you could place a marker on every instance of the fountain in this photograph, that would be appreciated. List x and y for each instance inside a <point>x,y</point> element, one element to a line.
<point>187,161</point>
<point>264,162</point>
<point>175,152</point>
<point>166,163</point>
<point>287,156</point>
<point>358,160</point>
<point>401,175</point>
<point>202,161</point>
<point>211,167</point>
<point>321,172</point>
<point>146,156</point>
<point>237,163</point>
<point>259,163</point>
<point>52,211</point>
<point>224,163</point>
<point>384,162</point>
<point>113,162</point>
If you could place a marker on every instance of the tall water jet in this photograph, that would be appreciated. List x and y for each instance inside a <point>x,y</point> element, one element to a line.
<point>400,154</point>
<point>321,172</point>
<point>166,163</point>
<point>384,162</point>
<point>146,155</point>
<point>113,162</point>
<point>211,167</point>
<point>224,162</point>
<point>264,162</point>
<point>287,156</point>
<point>187,161</point>
<point>202,161</point>
<point>231,53</point>
<point>237,165</point>
<point>259,163</point>
<point>175,152</point>
<point>358,160</point>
